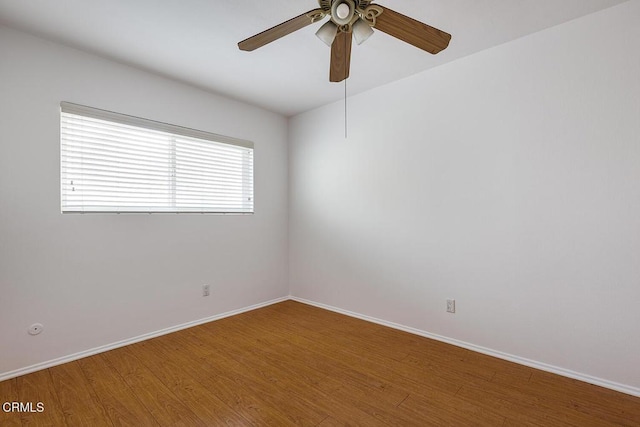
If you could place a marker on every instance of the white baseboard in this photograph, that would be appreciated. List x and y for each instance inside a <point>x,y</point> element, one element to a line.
<point>103,348</point>
<point>623,388</point>
<point>633,391</point>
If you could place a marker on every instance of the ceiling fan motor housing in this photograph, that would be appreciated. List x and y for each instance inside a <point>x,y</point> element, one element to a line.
<point>338,11</point>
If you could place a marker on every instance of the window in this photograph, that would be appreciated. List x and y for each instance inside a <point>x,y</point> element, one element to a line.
<point>116,163</point>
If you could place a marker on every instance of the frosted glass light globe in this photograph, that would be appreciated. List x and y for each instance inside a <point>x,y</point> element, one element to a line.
<point>343,11</point>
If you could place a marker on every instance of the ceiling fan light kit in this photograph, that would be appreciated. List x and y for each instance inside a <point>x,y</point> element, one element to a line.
<point>353,19</point>
<point>342,11</point>
<point>327,33</point>
<point>361,31</point>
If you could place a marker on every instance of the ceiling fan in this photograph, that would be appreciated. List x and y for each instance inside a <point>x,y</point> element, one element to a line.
<point>357,18</point>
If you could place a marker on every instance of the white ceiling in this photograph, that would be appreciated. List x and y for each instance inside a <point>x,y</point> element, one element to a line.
<point>195,41</point>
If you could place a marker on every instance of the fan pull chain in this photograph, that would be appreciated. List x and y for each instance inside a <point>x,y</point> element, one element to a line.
<point>345,108</point>
<point>345,87</point>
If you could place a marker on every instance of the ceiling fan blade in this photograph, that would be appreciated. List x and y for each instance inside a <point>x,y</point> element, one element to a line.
<point>274,33</point>
<point>340,57</point>
<point>411,31</point>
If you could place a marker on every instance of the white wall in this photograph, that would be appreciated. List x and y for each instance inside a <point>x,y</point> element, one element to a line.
<point>97,279</point>
<point>508,180</point>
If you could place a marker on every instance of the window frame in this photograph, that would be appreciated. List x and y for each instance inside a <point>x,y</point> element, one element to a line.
<point>152,125</point>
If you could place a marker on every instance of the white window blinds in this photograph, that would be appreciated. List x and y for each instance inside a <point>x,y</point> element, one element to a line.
<point>116,163</point>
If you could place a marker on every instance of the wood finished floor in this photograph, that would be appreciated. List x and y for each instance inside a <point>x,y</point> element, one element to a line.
<point>292,364</point>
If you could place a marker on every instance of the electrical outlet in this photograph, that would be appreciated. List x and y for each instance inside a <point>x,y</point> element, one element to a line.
<point>451,306</point>
<point>206,291</point>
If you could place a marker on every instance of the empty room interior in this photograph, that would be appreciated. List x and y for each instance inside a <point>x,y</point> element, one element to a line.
<point>320,213</point>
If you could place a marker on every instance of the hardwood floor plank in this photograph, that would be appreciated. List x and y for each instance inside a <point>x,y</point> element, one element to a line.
<point>9,394</point>
<point>459,368</point>
<point>78,401</point>
<point>158,399</point>
<point>349,332</point>
<point>364,364</point>
<point>388,416</point>
<point>197,398</point>
<point>218,363</point>
<point>38,387</point>
<point>292,364</point>
<point>316,387</point>
<point>382,391</point>
<point>452,411</point>
<point>532,422</point>
<point>607,405</point>
<point>516,404</point>
<point>367,338</point>
<point>392,416</point>
<point>244,401</point>
<point>511,379</point>
<point>120,404</point>
<point>336,421</point>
